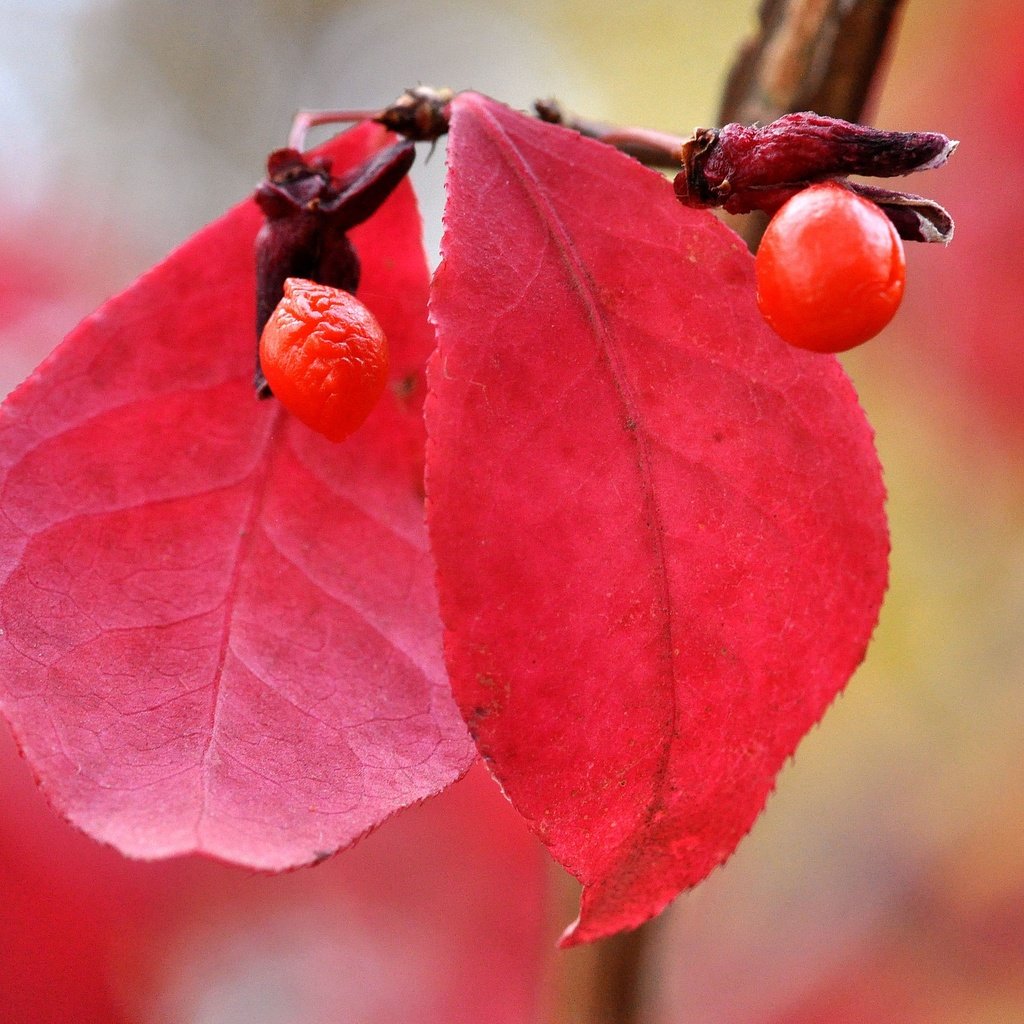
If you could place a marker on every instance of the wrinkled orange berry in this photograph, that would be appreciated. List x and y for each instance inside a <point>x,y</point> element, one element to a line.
<point>325,357</point>
<point>830,269</point>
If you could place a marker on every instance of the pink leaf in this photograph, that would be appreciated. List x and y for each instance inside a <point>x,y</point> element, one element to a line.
<point>219,630</point>
<point>659,530</point>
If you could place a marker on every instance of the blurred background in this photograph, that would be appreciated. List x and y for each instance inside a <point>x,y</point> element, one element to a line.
<point>885,882</point>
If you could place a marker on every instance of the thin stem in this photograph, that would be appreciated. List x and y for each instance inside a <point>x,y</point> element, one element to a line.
<point>422,115</point>
<point>304,120</point>
<point>654,148</point>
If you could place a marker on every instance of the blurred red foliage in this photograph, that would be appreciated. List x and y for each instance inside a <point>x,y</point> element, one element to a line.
<point>437,919</point>
<point>968,300</point>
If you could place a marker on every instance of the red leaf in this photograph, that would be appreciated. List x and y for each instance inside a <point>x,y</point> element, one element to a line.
<point>659,530</point>
<point>219,630</point>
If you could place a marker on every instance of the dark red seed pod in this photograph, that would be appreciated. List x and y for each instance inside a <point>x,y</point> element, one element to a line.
<point>758,168</point>
<point>308,214</point>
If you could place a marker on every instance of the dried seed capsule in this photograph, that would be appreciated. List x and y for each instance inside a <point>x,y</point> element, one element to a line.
<point>308,216</point>
<point>759,168</point>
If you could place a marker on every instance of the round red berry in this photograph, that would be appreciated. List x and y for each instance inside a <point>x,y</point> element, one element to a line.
<point>830,269</point>
<point>325,357</point>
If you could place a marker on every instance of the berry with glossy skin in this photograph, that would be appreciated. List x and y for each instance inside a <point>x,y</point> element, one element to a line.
<point>325,357</point>
<point>830,269</point>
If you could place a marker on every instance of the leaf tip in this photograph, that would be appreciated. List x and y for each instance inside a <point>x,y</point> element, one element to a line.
<point>571,936</point>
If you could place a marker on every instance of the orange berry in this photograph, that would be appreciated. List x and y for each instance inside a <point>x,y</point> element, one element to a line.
<point>325,357</point>
<point>830,269</point>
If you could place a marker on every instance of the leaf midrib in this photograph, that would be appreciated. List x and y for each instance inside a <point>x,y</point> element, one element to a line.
<point>586,291</point>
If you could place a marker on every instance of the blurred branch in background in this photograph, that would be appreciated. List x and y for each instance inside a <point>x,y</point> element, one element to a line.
<point>600,983</point>
<point>821,55</point>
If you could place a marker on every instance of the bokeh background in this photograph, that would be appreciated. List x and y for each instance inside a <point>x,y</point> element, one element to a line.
<point>885,882</point>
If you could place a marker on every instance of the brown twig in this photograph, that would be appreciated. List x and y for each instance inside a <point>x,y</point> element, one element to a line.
<point>599,983</point>
<point>821,55</point>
